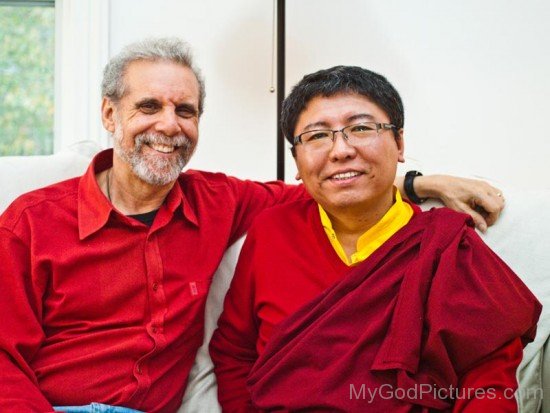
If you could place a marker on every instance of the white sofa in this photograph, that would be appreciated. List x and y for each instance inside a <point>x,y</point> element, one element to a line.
<point>521,238</point>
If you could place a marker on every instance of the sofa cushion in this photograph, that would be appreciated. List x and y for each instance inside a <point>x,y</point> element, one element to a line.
<point>20,174</point>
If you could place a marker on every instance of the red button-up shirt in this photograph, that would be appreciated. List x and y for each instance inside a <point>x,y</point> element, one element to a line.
<point>98,307</point>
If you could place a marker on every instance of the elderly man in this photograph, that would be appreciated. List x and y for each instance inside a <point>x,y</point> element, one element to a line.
<point>355,301</point>
<point>105,276</point>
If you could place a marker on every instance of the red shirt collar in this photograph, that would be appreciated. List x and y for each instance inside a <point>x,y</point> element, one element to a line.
<point>94,208</point>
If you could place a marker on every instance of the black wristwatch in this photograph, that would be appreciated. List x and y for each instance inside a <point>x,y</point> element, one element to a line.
<point>409,187</point>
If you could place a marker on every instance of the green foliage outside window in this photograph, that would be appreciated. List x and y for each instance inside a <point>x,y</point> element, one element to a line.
<point>26,80</point>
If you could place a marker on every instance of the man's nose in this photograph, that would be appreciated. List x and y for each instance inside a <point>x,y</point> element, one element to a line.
<point>341,148</point>
<point>168,123</point>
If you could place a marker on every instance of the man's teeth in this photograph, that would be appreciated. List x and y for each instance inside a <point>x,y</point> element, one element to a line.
<point>345,175</point>
<point>162,148</point>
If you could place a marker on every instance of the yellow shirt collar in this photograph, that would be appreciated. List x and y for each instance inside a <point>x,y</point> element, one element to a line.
<point>396,218</point>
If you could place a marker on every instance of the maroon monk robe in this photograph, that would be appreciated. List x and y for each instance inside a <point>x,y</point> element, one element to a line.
<point>426,307</point>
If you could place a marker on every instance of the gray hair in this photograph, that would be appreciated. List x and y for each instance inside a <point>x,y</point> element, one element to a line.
<point>153,49</point>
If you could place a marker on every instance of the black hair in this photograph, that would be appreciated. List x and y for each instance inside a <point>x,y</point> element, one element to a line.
<point>341,79</point>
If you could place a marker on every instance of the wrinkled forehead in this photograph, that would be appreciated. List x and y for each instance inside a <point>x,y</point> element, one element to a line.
<point>159,77</point>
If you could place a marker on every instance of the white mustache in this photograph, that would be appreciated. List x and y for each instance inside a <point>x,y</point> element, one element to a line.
<point>158,138</point>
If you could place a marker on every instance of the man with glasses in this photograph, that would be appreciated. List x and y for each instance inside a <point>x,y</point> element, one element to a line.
<point>355,300</point>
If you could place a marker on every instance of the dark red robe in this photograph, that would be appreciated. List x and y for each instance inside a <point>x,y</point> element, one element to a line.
<point>426,307</point>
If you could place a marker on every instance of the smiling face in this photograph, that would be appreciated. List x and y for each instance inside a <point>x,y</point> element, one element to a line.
<point>347,179</point>
<point>155,123</point>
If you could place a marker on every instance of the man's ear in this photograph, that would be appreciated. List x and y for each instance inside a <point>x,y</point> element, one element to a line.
<point>400,146</point>
<point>298,177</point>
<point>108,114</point>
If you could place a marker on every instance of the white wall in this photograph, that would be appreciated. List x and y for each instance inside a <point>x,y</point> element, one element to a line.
<point>472,74</point>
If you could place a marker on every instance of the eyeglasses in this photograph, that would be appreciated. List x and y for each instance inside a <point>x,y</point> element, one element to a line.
<point>357,135</point>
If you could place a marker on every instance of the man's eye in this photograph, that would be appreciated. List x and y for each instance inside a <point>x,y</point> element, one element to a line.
<point>362,128</point>
<point>186,112</point>
<point>314,136</point>
<point>148,107</point>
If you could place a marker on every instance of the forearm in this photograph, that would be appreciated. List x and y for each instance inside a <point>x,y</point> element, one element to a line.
<point>21,335</point>
<point>19,392</point>
<point>233,352</point>
<point>476,198</point>
<point>490,386</point>
<point>430,186</point>
<point>231,373</point>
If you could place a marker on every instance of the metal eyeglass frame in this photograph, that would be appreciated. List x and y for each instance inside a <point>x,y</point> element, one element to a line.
<point>384,126</point>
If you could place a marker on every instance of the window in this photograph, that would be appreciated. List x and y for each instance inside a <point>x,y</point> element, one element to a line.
<point>27,57</point>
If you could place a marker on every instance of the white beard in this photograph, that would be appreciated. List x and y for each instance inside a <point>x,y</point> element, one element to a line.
<point>155,170</point>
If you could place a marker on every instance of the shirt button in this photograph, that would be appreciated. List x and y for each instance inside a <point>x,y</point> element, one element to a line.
<point>138,369</point>
<point>155,286</point>
<point>154,330</point>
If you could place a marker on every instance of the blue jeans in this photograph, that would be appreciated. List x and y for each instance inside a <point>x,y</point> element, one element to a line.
<point>95,408</point>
